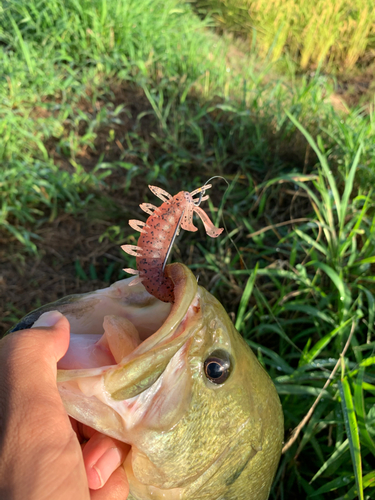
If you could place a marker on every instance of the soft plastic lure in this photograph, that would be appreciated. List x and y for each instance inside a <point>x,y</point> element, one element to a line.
<point>158,234</point>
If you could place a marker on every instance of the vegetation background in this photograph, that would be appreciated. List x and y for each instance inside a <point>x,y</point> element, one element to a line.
<point>99,98</point>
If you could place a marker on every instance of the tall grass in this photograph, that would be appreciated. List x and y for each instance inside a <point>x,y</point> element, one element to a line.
<point>333,33</point>
<point>58,60</point>
<point>300,284</point>
<point>309,293</point>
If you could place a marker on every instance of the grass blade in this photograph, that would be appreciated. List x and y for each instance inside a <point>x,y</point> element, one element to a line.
<point>368,482</point>
<point>361,413</point>
<point>323,161</point>
<point>344,292</point>
<point>311,241</point>
<point>340,482</point>
<point>310,311</point>
<point>349,181</point>
<point>23,45</point>
<point>370,308</point>
<point>352,432</point>
<point>245,299</point>
<point>340,450</point>
<point>281,364</point>
<point>79,271</point>
<point>323,342</point>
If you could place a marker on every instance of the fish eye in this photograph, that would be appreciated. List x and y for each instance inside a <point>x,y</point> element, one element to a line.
<point>217,366</point>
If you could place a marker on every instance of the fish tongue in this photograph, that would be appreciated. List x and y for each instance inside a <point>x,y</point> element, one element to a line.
<point>120,335</point>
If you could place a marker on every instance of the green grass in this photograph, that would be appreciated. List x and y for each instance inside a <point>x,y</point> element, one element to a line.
<point>322,290</point>
<point>56,56</point>
<point>100,98</point>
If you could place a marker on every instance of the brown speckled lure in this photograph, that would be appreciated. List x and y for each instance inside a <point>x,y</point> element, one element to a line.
<point>158,234</point>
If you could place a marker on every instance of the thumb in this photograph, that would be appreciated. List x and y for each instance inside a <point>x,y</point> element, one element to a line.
<point>40,455</point>
<point>37,349</point>
<point>53,329</point>
<point>28,366</point>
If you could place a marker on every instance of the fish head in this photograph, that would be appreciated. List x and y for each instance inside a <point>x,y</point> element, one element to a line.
<point>226,439</point>
<point>201,415</point>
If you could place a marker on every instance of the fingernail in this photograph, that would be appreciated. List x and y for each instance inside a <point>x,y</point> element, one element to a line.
<point>49,318</point>
<point>107,464</point>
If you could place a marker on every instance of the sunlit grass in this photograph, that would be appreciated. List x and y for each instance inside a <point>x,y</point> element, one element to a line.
<point>333,33</point>
<point>59,59</point>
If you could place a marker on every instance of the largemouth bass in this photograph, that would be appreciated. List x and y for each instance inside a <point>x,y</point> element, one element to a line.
<point>178,383</point>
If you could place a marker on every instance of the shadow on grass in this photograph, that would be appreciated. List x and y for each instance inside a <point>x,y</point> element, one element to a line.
<point>178,147</point>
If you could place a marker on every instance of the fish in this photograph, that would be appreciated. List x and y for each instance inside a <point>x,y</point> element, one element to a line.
<point>175,381</point>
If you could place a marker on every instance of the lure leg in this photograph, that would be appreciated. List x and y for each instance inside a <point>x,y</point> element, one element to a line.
<point>132,250</point>
<point>160,193</point>
<point>129,270</point>
<point>198,201</point>
<point>187,219</point>
<point>137,225</point>
<point>211,230</point>
<point>136,281</point>
<point>148,208</point>
<point>199,190</point>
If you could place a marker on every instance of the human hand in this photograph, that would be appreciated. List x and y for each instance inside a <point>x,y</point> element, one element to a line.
<point>41,453</point>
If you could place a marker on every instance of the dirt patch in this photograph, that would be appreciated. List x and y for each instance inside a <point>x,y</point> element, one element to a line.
<point>74,256</point>
<point>71,259</point>
<point>356,90</point>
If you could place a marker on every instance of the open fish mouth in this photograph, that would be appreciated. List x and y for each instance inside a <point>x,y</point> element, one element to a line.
<point>122,341</point>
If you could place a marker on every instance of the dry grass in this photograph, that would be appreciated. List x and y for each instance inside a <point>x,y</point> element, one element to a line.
<point>336,33</point>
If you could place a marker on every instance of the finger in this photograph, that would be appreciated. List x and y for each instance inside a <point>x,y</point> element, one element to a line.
<point>37,348</point>
<point>49,337</point>
<point>28,361</point>
<point>102,455</point>
<point>116,488</point>
<point>83,432</point>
